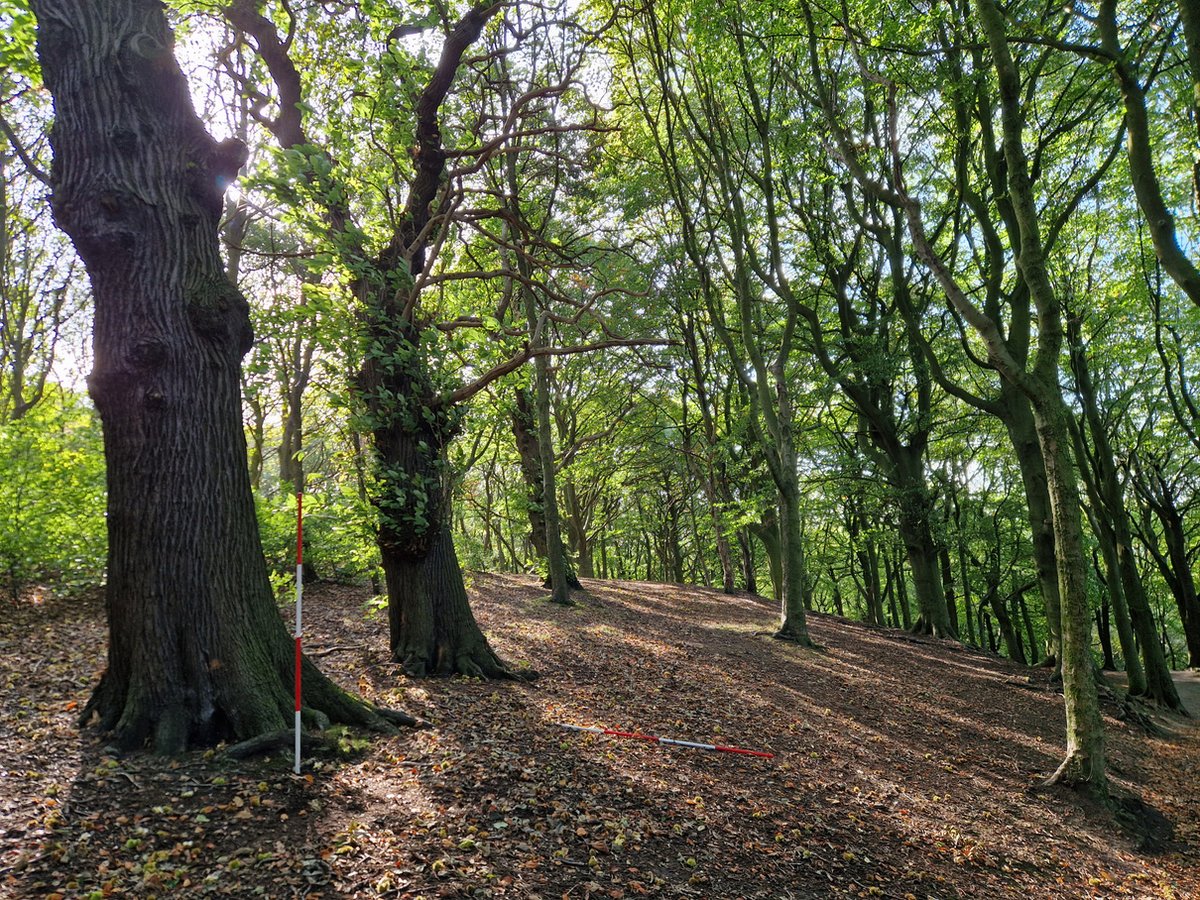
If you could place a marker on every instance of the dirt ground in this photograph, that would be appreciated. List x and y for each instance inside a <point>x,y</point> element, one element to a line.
<point>903,767</point>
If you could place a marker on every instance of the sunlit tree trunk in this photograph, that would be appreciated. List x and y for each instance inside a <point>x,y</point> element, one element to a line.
<point>197,649</point>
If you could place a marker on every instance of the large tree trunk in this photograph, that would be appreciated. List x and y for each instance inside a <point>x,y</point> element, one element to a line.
<point>431,628</point>
<point>197,649</point>
<point>433,631</point>
<point>410,422</point>
<point>794,626</point>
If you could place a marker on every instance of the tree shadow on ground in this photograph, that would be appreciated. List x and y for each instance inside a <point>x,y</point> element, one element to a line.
<point>903,767</point>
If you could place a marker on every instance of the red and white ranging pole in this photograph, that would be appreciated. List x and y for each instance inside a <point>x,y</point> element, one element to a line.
<point>299,610</point>
<point>719,748</point>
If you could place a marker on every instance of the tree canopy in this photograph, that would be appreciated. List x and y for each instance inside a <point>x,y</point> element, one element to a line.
<point>891,309</point>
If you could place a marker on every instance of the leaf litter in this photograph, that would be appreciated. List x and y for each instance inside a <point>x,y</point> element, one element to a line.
<point>905,768</point>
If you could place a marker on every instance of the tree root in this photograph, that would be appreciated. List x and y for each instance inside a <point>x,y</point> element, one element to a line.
<point>794,637</point>
<point>922,627</point>
<point>1077,773</point>
<point>312,739</point>
<point>310,742</point>
<point>467,663</point>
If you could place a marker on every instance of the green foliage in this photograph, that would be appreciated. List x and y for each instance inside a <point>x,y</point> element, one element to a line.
<point>339,540</point>
<point>18,32</point>
<point>53,497</point>
<point>277,531</point>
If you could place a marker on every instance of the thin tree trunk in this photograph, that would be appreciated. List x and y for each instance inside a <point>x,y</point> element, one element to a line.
<point>1106,488</point>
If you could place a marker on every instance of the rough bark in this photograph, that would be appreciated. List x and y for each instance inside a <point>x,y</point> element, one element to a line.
<point>524,428</point>
<point>197,652</point>
<point>433,630</point>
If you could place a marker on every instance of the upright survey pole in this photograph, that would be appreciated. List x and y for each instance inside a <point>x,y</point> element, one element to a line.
<point>299,609</point>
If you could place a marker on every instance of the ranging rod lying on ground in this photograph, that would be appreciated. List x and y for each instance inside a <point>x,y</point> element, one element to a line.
<point>662,740</point>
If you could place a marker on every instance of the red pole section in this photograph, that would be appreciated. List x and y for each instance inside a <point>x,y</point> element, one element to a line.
<point>636,735</point>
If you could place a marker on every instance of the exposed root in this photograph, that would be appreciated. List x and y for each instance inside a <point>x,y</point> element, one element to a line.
<point>1078,772</point>
<point>213,712</point>
<point>476,662</point>
<point>314,740</point>
<point>276,741</point>
<point>792,636</point>
<point>923,627</point>
<point>1131,711</point>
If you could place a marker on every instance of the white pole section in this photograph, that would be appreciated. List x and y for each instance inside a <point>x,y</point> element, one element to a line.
<point>299,611</point>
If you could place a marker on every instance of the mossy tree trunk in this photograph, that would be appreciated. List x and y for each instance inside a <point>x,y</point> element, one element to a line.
<point>1017,416</point>
<point>197,651</point>
<point>432,628</point>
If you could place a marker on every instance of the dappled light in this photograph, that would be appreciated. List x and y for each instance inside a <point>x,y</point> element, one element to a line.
<point>905,764</point>
<point>891,311</point>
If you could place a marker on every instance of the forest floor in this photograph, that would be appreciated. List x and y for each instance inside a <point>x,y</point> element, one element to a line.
<point>904,767</point>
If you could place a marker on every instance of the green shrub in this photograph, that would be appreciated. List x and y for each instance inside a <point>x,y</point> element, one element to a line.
<point>52,496</point>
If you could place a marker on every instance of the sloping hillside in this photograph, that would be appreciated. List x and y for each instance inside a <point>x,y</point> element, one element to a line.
<point>903,767</point>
